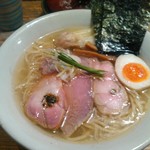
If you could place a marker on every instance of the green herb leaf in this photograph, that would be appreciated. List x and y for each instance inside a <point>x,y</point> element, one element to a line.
<point>67,59</point>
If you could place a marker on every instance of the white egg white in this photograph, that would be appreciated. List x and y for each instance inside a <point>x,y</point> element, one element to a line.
<point>121,61</point>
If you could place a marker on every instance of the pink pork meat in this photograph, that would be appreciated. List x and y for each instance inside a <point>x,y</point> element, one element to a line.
<point>80,103</point>
<point>47,103</point>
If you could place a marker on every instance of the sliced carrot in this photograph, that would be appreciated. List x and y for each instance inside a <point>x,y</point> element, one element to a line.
<point>86,53</point>
<point>91,46</point>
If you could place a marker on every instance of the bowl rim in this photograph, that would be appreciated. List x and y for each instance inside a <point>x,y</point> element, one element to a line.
<point>6,126</point>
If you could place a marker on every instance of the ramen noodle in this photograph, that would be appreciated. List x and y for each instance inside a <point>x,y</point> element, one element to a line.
<point>100,121</point>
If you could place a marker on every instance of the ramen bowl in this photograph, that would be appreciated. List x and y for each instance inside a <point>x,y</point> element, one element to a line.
<point>12,118</point>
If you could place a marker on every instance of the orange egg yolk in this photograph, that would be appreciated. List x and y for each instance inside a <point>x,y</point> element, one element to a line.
<point>135,72</point>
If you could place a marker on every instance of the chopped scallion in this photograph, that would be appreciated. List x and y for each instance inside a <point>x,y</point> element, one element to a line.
<point>69,60</point>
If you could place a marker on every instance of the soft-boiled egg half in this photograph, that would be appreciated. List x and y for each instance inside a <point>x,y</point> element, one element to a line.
<point>132,71</point>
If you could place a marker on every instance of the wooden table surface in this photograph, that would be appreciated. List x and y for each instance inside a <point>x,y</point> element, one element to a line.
<point>31,10</point>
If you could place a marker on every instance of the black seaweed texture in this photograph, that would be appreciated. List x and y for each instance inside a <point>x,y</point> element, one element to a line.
<point>120,26</point>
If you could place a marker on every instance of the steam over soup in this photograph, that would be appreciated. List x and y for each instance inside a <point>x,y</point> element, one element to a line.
<point>73,92</point>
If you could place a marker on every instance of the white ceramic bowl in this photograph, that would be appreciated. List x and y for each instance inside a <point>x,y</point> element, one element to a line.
<point>12,118</point>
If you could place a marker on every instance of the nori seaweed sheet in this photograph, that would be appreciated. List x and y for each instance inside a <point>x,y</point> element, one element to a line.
<point>120,25</point>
